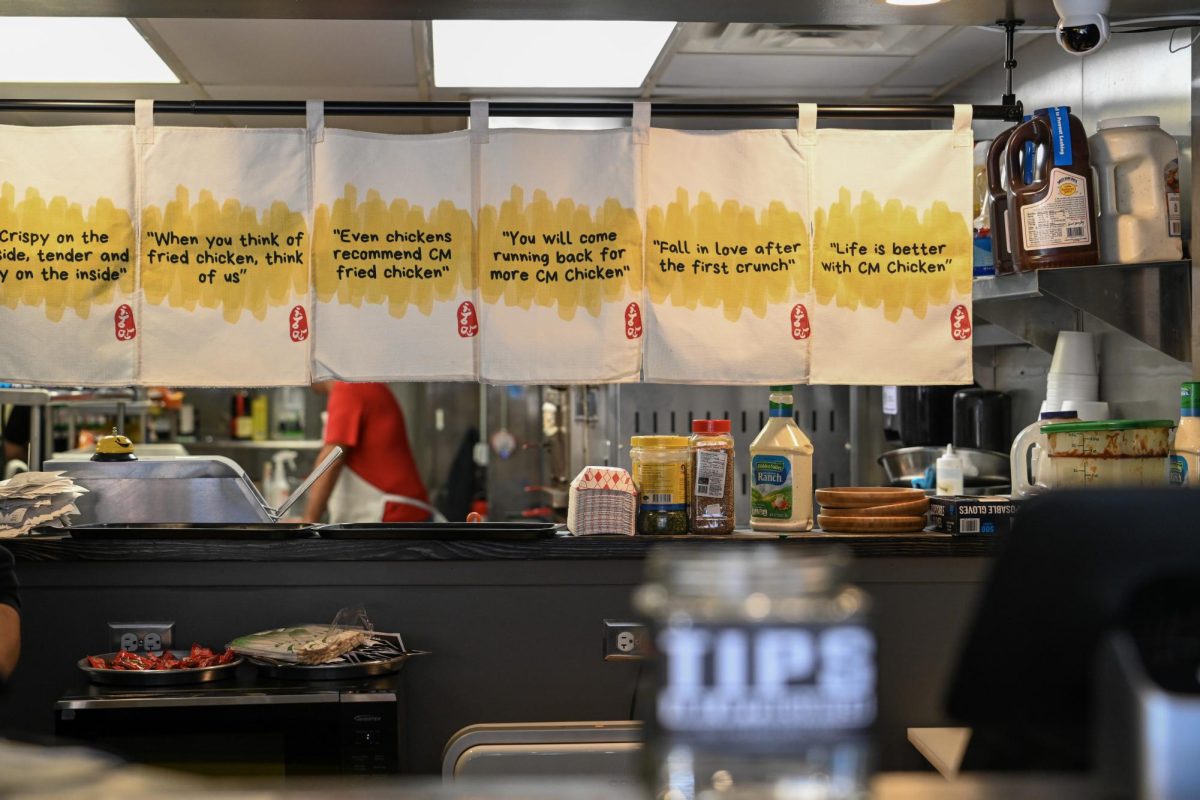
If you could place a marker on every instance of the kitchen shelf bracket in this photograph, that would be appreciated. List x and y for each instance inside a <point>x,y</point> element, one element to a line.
<point>1150,302</point>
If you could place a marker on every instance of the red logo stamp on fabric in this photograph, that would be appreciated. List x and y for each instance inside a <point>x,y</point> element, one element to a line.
<point>960,323</point>
<point>633,321</point>
<point>468,320</point>
<point>123,324</point>
<point>801,329</point>
<point>298,324</point>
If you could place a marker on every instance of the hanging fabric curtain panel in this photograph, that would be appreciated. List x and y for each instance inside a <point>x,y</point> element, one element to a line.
<point>392,257</point>
<point>68,283</point>
<point>892,256</point>
<point>192,256</point>
<point>728,256</point>
<point>224,253</point>
<point>560,255</point>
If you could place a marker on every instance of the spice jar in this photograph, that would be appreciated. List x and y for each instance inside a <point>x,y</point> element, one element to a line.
<point>711,447</point>
<point>659,465</point>
<point>765,674</point>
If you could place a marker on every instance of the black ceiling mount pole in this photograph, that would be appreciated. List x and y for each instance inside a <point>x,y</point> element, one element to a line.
<point>461,108</point>
<point>1010,63</point>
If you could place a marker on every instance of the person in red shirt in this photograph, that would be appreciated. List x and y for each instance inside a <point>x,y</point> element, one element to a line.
<point>365,420</point>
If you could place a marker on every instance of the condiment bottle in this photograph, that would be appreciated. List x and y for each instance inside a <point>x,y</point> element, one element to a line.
<point>711,447</point>
<point>781,471</point>
<point>1137,184</point>
<point>981,228</point>
<point>1185,454</point>
<point>949,473</point>
<point>659,467</point>
<point>1051,210</point>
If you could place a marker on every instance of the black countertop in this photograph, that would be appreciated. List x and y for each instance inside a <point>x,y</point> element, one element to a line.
<point>64,548</point>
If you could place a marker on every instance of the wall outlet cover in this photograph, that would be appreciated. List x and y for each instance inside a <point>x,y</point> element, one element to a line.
<point>150,637</point>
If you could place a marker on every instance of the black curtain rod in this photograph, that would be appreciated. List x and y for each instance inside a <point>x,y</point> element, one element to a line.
<point>355,108</point>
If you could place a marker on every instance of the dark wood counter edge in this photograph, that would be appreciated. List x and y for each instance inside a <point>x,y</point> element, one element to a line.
<point>44,548</point>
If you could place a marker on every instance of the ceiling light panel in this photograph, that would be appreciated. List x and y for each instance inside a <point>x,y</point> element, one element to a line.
<point>77,50</point>
<point>545,54</point>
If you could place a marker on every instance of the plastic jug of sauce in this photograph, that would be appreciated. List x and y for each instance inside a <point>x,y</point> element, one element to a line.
<point>1051,211</point>
<point>1137,177</point>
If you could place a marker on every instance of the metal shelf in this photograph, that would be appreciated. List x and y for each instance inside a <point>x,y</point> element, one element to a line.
<point>1150,302</point>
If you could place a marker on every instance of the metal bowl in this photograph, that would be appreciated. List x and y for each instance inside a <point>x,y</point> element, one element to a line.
<point>157,677</point>
<point>980,467</point>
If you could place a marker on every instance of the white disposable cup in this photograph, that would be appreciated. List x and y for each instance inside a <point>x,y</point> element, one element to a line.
<point>1088,410</point>
<point>1075,351</point>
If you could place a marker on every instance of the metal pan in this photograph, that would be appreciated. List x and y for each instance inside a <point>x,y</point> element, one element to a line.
<point>337,671</point>
<point>265,531</point>
<point>160,677</point>
<point>478,531</point>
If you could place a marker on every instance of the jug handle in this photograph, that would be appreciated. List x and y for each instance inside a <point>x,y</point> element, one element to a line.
<point>1020,461</point>
<point>1025,132</point>
<point>1107,191</point>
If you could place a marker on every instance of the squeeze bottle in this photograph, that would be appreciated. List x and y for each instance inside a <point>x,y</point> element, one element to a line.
<point>781,471</point>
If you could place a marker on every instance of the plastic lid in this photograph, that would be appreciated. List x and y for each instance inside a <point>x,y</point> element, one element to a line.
<point>782,389</point>
<point>1059,415</point>
<point>658,441</point>
<point>711,426</point>
<point>1107,425</point>
<point>1127,122</point>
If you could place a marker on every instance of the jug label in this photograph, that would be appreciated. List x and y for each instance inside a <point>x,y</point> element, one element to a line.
<point>1061,219</point>
<point>1171,179</point>
<point>771,494</point>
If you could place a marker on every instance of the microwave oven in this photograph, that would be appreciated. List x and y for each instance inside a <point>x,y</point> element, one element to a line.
<point>244,727</point>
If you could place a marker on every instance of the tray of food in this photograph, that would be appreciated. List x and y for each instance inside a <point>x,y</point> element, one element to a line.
<point>266,531</point>
<point>323,652</point>
<point>479,531</point>
<point>168,668</point>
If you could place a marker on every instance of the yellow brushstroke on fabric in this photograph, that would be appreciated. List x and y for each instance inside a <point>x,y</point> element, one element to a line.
<point>704,224</point>
<point>262,286</point>
<point>541,218</point>
<point>59,217</point>
<point>375,219</point>
<point>869,223</point>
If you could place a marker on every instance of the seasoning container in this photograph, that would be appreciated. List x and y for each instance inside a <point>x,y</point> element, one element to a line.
<point>660,468</point>
<point>711,447</point>
<point>765,674</point>
<point>1137,183</point>
<point>1051,209</point>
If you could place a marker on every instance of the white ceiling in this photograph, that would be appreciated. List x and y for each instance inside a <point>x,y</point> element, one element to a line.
<point>389,60</point>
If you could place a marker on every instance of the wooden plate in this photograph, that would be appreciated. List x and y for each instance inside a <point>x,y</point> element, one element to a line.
<point>910,508</point>
<point>865,496</point>
<point>870,524</point>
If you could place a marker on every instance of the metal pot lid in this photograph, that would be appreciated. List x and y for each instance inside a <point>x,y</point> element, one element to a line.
<point>1107,425</point>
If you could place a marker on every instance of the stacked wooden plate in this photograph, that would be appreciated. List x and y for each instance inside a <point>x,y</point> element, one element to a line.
<point>872,509</point>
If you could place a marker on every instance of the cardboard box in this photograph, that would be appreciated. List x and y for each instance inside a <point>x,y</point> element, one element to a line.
<point>972,516</point>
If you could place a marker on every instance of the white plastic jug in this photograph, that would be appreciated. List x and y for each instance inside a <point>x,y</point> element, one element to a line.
<point>1027,449</point>
<point>1137,186</point>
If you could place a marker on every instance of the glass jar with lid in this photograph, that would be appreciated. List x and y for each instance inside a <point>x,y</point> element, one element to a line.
<point>711,446</point>
<point>659,467</point>
<point>765,675</point>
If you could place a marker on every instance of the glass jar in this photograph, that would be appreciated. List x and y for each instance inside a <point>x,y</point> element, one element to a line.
<point>711,446</point>
<point>765,676</point>
<point>659,467</point>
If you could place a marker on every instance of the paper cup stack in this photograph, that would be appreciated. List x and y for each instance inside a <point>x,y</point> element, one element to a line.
<point>1073,383</point>
<point>871,509</point>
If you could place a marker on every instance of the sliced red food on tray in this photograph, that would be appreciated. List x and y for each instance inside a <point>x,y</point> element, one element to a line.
<point>197,658</point>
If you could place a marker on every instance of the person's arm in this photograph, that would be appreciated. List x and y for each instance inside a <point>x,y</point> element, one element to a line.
<point>318,493</point>
<point>10,640</point>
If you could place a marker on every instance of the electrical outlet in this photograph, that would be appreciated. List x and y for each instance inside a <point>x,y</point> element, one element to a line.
<point>625,641</point>
<point>148,636</point>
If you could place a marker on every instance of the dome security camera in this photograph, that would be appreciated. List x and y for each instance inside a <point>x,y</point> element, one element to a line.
<point>1082,25</point>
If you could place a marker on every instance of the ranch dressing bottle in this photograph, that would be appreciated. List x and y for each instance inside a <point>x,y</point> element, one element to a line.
<point>781,471</point>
